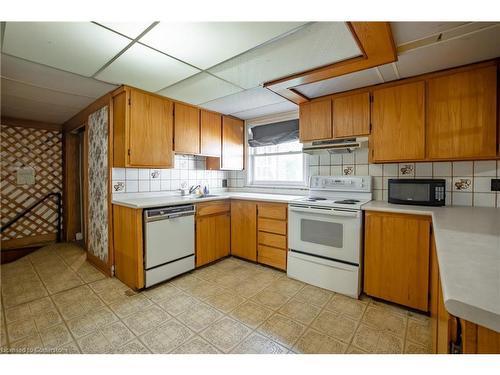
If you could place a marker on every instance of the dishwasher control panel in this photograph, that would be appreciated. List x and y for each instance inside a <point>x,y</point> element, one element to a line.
<point>165,212</point>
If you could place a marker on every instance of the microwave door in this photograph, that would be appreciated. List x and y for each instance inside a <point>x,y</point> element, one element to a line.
<point>326,233</point>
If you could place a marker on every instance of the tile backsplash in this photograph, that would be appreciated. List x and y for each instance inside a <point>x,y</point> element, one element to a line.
<point>187,171</point>
<point>468,183</point>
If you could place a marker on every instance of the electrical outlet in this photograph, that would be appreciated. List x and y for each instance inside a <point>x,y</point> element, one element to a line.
<point>224,183</point>
<point>495,184</point>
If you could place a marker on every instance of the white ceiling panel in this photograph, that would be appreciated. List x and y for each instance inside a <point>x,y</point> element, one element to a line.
<point>271,109</point>
<point>34,93</point>
<point>346,82</point>
<point>389,72</point>
<point>50,78</point>
<point>315,45</point>
<point>78,47</point>
<point>200,88</point>
<point>205,44</point>
<point>147,69</point>
<point>404,32</point>
<point>475,47</point>
<point>130,29</point>
<point>243,101</point>
<point>17,107</point>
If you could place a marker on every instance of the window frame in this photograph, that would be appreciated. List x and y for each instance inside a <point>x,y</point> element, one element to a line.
<point>279,184</point>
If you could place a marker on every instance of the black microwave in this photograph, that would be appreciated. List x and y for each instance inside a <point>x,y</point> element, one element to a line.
<point>419,191</point>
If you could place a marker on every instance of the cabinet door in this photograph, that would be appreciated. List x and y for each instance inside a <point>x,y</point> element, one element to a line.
<point>315,120</point>
<point>212,238</point>
<point>397,258</point>
<point>398,123</point>
<point>232,144</point>
<point>244,229</point>
<point>186,129</point>
<point>462,115</point>
<point>211,133</point>
<point>351,115</point>
<point>150,131</point>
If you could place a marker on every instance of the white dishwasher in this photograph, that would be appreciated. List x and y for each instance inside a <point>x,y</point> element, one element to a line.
<point>168,242</point>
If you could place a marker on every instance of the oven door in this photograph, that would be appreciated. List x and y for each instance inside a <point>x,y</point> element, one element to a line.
<point>329,233</point>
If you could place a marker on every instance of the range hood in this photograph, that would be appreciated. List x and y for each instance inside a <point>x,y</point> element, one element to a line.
<point>336,146</point>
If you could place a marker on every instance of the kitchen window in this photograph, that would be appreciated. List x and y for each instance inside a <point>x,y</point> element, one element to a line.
<point>275,155</point>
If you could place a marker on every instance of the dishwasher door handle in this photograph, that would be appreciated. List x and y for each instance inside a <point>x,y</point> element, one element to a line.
<point>173,216</point>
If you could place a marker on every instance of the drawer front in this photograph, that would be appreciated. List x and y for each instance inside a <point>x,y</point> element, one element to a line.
<point>213,207</point>
<point>272,210</point>
<point>272,257</point>
<point>272,226</point>
<point>271,239</point>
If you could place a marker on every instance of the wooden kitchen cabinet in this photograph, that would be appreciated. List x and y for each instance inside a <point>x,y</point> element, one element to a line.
<point>244,229</point>
<point>142,129</point>
<point>351,115</point>
<point>213,231</point>
<point>398,123</point>
<point>211,133</point>
<point>315,120</point>
<point>186,129</point>
<point>233,149</point>
<point>272,234</point>
<point>397,248</point>
<point>462,115</point>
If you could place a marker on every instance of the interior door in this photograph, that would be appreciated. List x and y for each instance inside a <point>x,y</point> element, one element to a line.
<point>398,123</point>
<point>150,134</point>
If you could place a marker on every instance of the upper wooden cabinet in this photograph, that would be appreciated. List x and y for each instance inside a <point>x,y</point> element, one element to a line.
<point>142,130</point>
<point>211,133</point>
<point>397,248</point>
<point>351,115</point>
<point>232,143</point>
<point>398,123</point>
<point>315,120</point>
<point>462,115</point>
<point>186,129</point>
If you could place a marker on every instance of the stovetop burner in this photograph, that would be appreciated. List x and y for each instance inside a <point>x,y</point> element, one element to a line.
<point>315,199</point>
<point>347,201</point>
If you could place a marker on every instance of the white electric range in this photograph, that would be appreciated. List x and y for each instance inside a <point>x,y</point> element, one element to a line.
<point>325,233</point>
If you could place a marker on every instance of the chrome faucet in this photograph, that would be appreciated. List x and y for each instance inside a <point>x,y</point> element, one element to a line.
<point>193,188</point>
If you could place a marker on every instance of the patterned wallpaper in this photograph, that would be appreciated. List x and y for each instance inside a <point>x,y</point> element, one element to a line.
<point>467,182</point>
<point>98,184</point>
<point>188,171</point>
<point>41,150</point>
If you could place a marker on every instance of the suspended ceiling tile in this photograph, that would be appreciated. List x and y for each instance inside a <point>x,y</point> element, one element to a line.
<point>475,47</point>
<point>147,69</point>
<point>204,44</point>
<point>78,47</point>
<point>50,78</point>
<point>22,108</point>
<point>315,45</point>
<point>243,101</point>
<point>404,32</point>
<point>346,82</point>
<point>200,88</point>
<point>43,95</point>
<point>389,72</point>
<point>129,29</point>
<point>271,109</point>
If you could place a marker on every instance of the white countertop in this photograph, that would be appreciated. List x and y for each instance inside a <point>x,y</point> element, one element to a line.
<point>158,200</point>
<point>468,252</point>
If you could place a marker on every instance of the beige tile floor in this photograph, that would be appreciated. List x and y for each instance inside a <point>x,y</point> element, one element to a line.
<point>54,301</point>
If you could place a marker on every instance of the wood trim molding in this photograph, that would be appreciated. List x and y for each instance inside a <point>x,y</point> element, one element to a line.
<point>377,46</point>
<point>81,117</point>
<point>104,267</point>
<point>32,241</point>
<point>24,123</point>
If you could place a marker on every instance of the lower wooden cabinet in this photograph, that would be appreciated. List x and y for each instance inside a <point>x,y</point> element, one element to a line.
<point>244,229</point>
<point>213,231</point>
<point>272,234</point>
<point>397,248</point>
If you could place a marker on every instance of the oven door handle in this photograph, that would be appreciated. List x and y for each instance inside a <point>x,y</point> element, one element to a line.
<point>325,211</point>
